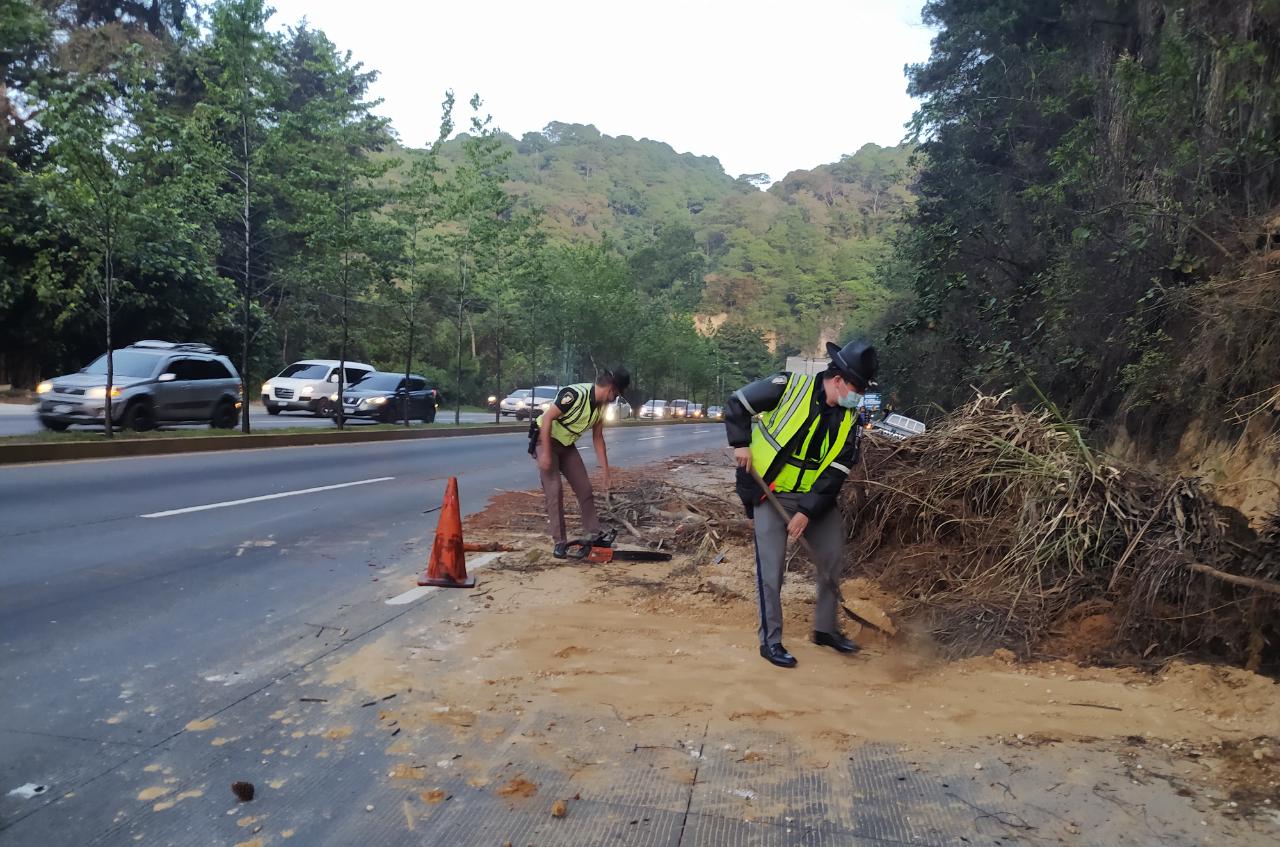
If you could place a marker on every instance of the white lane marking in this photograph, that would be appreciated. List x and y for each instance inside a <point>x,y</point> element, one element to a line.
<point>226,503</point>
<point>423,590</point>
<point>699,431</point>
<point>650,437</point>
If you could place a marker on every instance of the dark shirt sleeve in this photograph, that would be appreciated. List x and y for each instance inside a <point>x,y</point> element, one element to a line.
<point>760,396</point>
<point>818,500</point>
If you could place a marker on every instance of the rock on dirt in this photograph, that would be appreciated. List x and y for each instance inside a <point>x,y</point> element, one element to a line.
<point>559,809</point>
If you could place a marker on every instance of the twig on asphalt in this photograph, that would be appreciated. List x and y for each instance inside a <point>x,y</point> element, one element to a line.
<point>995,816</point>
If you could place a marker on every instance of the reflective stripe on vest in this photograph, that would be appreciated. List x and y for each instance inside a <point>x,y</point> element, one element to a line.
<point>794,422</point>
<point>580,417</point>
<point>776,421</point>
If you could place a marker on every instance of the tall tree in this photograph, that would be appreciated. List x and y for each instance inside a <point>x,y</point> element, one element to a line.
<point>119,182</point>
<point>480,214</point>
<point>240,109</point>
<point>419,211</point>
<point>335,177</point>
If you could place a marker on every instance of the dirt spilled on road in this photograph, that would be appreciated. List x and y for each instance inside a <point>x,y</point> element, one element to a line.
<point>544,655</point>
<point>626,641</point>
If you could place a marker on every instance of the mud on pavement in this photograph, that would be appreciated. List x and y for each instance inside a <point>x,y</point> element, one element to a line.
<point>568,703</point>
<point>565,703</point>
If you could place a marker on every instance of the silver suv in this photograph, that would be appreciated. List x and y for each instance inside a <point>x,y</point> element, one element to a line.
<point>154,382</point>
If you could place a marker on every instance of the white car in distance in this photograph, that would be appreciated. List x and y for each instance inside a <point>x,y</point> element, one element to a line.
<point>516,403</point>
<point>306,386</point>
<point>653,410</point>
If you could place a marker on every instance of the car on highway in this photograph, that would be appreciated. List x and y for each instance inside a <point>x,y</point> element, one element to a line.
<point>386,397</point>
<point>618,410</point>
<point>542,397</point>
<point>696,410</point>
<point>153,382</point>
<point>898,427</point>
<point>516,403</point>
<point>653,410</point>
<point>305,386</point>
<point>678,408</point>
<point>715,413</point>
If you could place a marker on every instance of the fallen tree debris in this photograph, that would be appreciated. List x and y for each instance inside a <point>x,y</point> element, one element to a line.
<point>1000,527</point>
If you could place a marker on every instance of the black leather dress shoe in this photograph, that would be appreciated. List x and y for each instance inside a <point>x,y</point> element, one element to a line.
<point>835,640</point>
<point>778,654</point>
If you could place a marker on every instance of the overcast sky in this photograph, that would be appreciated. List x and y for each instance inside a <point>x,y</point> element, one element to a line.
<point>763,86</point>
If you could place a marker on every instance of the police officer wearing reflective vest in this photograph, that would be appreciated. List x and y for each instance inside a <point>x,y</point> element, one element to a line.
<point>577,408</point>
<point>803,444</point>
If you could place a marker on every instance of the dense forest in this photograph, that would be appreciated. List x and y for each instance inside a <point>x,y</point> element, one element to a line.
<point>1096,215</point>
<point>185,171</point>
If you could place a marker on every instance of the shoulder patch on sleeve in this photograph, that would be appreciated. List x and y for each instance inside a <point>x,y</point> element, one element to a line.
<point>567,398</point>
<point>779,380</point>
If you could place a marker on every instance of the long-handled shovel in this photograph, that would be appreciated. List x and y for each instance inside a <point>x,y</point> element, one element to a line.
<point>887,628</point>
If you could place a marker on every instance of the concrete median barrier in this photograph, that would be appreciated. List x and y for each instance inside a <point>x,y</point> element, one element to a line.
<point>55,451</point>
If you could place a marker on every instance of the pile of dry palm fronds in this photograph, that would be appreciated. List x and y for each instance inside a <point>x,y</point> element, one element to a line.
<point>1000,527</point>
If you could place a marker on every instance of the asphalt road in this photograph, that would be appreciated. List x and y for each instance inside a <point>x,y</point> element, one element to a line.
<point>134,599</point>
<point>21,420</point>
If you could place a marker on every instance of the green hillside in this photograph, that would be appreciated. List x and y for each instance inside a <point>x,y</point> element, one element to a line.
<point>794,263</point>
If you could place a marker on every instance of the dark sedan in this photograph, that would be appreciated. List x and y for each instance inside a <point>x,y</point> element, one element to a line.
<point>386,397</point>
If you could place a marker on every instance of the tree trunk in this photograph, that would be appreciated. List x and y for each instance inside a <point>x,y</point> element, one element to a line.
<point>408,359</point>
<point>108,272</point>
<point>344,288</point>
<point>497,391</point>
<point>462,294</point>
<point>342,362</point>
<point>248,284</point>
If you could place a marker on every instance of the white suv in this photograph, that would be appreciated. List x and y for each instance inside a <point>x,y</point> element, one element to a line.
<point>306,386</point>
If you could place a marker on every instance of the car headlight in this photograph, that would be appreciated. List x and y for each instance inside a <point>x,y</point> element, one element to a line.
<point>99,392</point>
<point>493,399</point>
<point>44,388</point>
<point>610,414</point>
<point>520,404</point>
<point>333,397</point>
<point>266,388</point>
<point>376,401</point>
<point>305,395</point>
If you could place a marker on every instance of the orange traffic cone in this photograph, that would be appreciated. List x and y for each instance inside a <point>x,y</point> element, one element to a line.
<point>447,567</point>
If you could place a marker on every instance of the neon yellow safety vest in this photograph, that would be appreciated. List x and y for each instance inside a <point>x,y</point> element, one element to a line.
<point>581,416</point>
<point>778,427</point>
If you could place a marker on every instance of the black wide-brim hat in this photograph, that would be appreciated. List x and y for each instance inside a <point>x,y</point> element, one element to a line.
<point>857,362</point>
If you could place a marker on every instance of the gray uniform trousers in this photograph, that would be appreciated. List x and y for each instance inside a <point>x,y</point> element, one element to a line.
<point>567,461</point>
<point>826,535</point>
